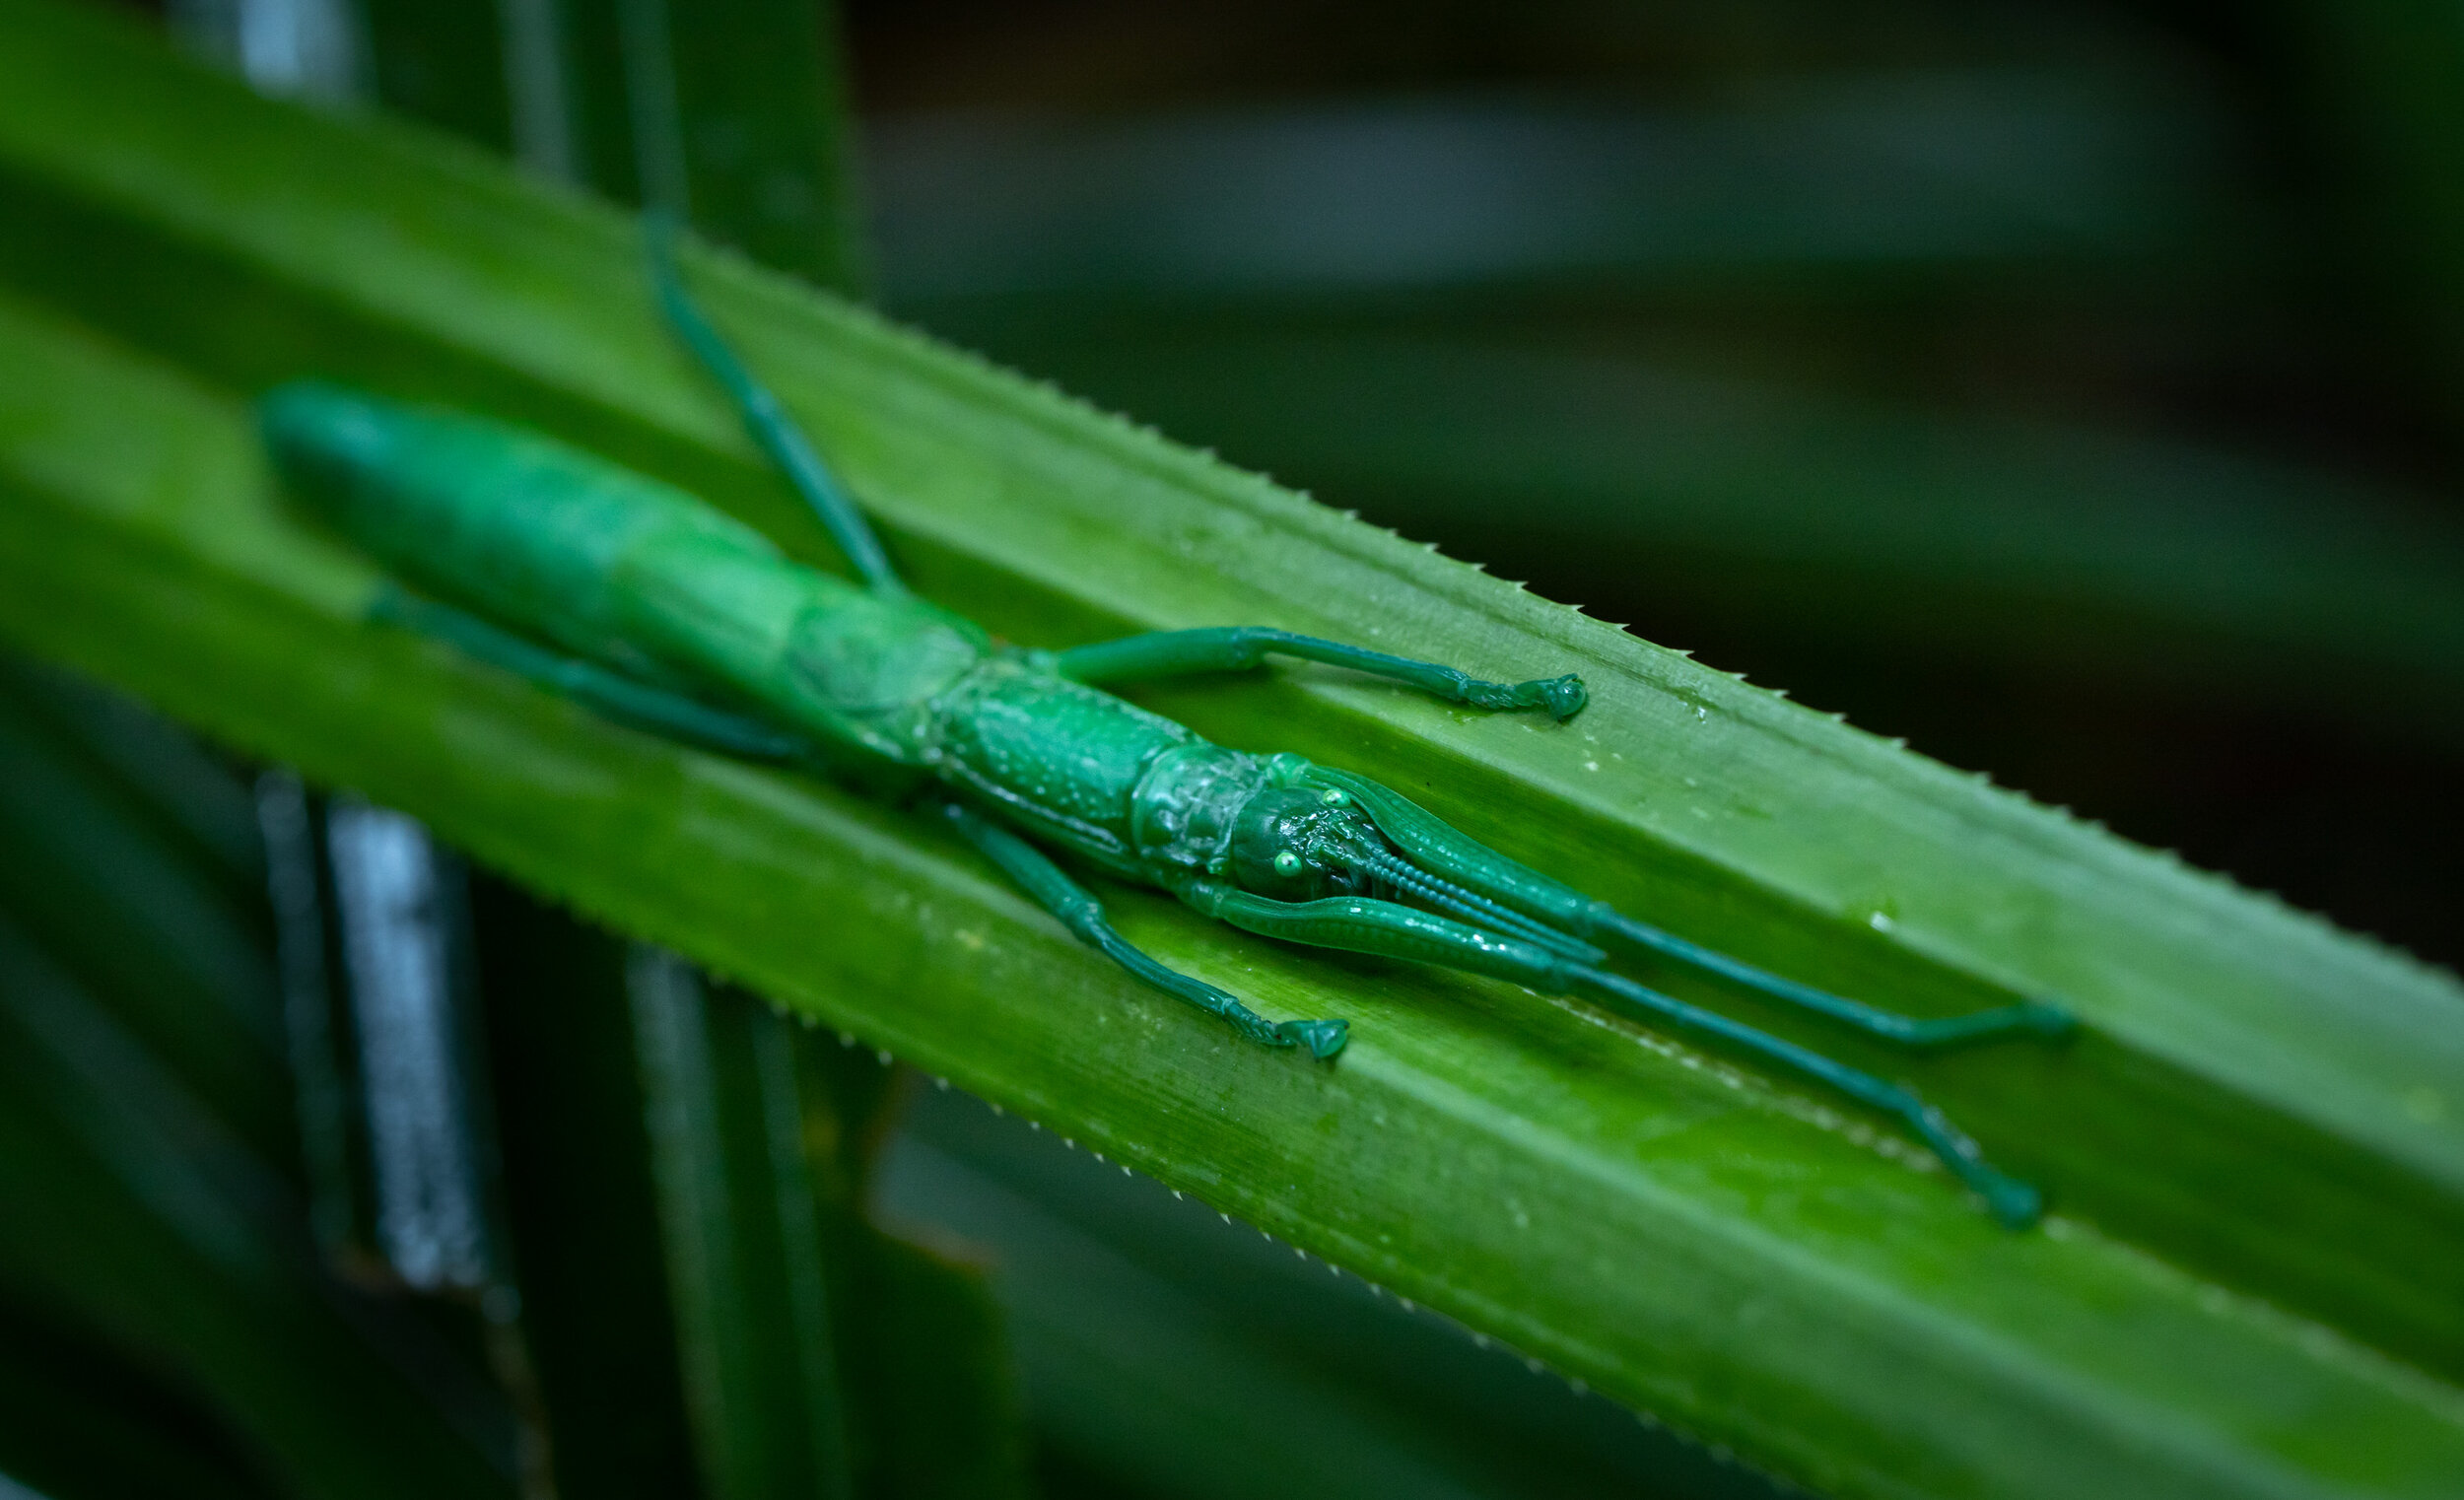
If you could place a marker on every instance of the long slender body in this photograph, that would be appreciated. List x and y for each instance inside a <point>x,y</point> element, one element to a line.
<point>643,579</point>
<point>643,601</point>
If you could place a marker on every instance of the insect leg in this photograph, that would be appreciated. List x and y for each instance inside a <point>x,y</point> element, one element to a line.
<point>656,711</point>
<point>1084,914</point>
<point>1440,849</point>
<point>1363,925</point>
<point>1231,648</point>
<point>764,418</point>
<point>2014,1202</point>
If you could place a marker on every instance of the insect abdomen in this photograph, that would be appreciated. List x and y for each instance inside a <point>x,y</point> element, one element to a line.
<point>523,529</point>
<point>612,565</point>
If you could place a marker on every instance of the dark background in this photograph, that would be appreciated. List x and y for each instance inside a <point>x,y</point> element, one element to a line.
<point>2173,271</point>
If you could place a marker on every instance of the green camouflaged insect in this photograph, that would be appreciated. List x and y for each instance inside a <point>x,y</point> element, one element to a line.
<point>649,606</point>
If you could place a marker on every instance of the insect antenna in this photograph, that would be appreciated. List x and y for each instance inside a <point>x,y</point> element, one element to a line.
<point>771,430</point>
<point>1474,907</point>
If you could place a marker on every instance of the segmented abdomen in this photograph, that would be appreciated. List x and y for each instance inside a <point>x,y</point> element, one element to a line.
<point>523,529</point>
<point>610,564</point>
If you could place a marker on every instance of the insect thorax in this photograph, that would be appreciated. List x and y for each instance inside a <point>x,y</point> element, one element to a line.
<point>872,671</point>
<point>1060,759</point>
<point>1186,806</point>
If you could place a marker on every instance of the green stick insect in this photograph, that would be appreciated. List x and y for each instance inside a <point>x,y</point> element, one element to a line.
<point>654,609</point>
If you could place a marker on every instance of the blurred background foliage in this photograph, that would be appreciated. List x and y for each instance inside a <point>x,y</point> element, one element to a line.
<point>2069,387</point>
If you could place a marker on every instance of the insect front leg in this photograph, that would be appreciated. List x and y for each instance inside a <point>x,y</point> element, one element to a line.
<point>1365,924</point>
<point>1453,862</point>
<point>1084,914</point>
<point>1234,647</point>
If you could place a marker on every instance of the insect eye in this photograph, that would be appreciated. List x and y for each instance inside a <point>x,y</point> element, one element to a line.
<point>1287,863</point>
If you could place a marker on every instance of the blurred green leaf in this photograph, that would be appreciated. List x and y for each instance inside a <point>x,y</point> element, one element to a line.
<point>162,1237</point>
<point>157,931</point>
<point>757,1304</point>
<point>180,787</point>
<point>2021,180</point>
<point>732,113</point>
<point>443,62</point>
<point>2387,80</point>
<point>821,1356</point>
<point>580,1212</point>
<point>1194,1357</point>
<point>79,1424</point>
<point>939,1375</point>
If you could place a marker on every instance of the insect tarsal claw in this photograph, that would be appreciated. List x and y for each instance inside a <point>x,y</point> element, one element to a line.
<point>1563,697</point>
<point>2013,1204</point>
<point>1324,1039</point>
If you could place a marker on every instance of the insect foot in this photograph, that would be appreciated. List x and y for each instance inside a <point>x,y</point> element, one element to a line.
<point>1324,1039</point>
<point>1562,697</point>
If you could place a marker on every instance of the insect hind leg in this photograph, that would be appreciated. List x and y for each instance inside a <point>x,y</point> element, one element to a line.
<point>2015,1204</point>
<point>1363,925</point>
<point>653,709</point>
